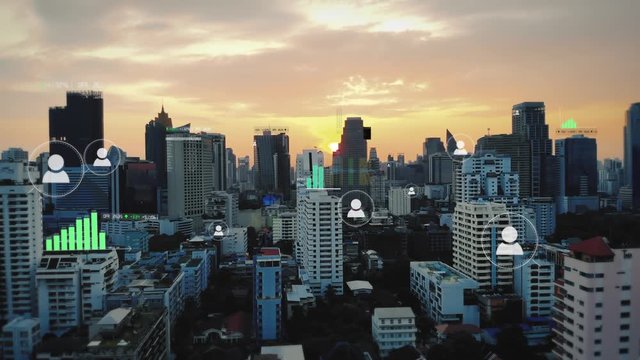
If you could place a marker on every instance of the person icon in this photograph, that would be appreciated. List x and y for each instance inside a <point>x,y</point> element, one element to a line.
<point>218,231</point>
<point>510,246</point>
<point>55,174</point>
<point>460,150</point>
<point>102,160</point>
<point>356,211</point>
<point>411,192</point>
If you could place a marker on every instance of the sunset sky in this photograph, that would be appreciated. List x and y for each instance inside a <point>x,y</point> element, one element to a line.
<point>411,69</point>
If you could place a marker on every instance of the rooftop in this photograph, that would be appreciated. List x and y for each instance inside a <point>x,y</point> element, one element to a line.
<point>356,285</point>
<point>270,251</point>
<point>439,269</point>
<point>115,316</point>
<point>594,247</point>
<point>394,312</point>
<point>298,292</point>
<point>284,352</point>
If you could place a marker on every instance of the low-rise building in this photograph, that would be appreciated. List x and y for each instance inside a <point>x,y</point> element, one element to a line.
<point>299,296</point>
<point>19,338</point>
<point>393,328</point>
<point>446,295</point>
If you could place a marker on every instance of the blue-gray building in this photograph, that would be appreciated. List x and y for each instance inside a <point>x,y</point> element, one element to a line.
<point>267,304</point>
<point>577,188</point>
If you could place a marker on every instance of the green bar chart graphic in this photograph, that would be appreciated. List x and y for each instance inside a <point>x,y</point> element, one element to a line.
<point>82,236</point>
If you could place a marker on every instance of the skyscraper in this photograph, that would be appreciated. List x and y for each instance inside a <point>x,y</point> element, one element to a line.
<point>431,146</point>
<point>219,158</point>
<point>350,160</point>
<point>232,168</point>
<point>320,240</point>
<point>577,158</point>
<point>156,144</point>
<point>20,240</point>
<point>134,188</point>
<point>189,174</point>
<point>518,149</point>
<point>528,120</point>
<point>273,163</point>
<point>79,123</point>
<point>632,152</point>
<point>267,290</point>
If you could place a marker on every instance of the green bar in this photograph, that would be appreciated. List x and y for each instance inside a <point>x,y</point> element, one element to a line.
<point>48,244</point>
<point>56,242</point>
<point>94,230</point>
<point>314,175</point>
<point>86,233</point>
<point>102,237</point>
<point>64,240</point>
<point>308,183</point>
<point>320,177</point>
<point>72,238</point>
<point>79,234</point>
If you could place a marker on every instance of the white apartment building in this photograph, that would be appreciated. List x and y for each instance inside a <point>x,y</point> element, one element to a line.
<point>399,201</point>
<point>486,174</point>
<point>533,281</point>
<point>393,328</point>
<point>320,240</point>
<point>596,310</point>
<point>474,248</point>
<point>72,288</point>
<point>20,240</point>
<point>445,294</point>
<point>285,227</point>
<point>234,242</point>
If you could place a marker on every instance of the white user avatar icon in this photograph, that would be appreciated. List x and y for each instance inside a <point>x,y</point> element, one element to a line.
<point>510,246</point>
<point>356,210</point>
<point>218,231</point>
<point>102,160</point>
<point>411,191</point>
<point>55,174</point>
<point>460,148</point>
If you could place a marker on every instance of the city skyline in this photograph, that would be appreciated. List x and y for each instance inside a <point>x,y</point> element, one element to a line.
<point>426,65</point>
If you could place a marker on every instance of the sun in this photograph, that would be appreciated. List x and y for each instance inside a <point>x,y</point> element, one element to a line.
<point>334,147</point>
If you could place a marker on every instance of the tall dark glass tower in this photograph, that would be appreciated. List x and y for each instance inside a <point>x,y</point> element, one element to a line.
<point>578,161</point>
<point>632,152</point>
<point>273,163</point>
<point>79,123</point>
<point>350,160</point>
<point>528,119</point>
<point>155,136</point>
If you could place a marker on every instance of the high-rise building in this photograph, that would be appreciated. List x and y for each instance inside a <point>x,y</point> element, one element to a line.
<point>378,189</point>
<point>474,244</point>
<point>350,160</point>
<point>310,168</point>
<point>267,303</point>
<point>595,311</point>
<point>219,158</point>
<point>488,176</point>
<point>79,123</point>
<point>320,240</point>
<point>432,146</point>
<point>245,177</point>
<point>72,288</point>
<point>518,149</point>
<point>544,209</point>
<point>610,176</point>
<point>399,201</point>
<point>273,163</point>
<point>285,227</point>
<point>156,151</point>
<point>533,280</point>
<point>577,158</point>
<point>445,294</point>
<point>528,119</point>
<point>134,188</point>
<point>374,160</point>
<point>232,168</point>
<point>15,154</point>
<point>440,169</point>
<point>632,152</point>
<point>224,206</point>
<point>20,240</point>
<point>189,174</point>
